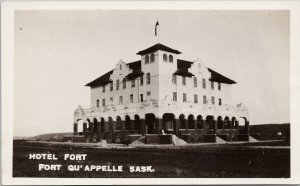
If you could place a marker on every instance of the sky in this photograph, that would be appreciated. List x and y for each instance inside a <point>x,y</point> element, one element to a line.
<point>57,52</point>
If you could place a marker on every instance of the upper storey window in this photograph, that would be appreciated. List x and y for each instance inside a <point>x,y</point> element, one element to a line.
<point>183,80</point>
<point>195,81</point>
<point>146,59</point>
<point>111,86</point>
<point>148,78</point>
<point>133,83</point>
<point>152,58</point>
<point>203,83</point>
<point>174,79</point>
<point>103,89</point>
<point>117,84</point>
<point>124,83</point>
<point>165,57</point>
<point>171,58</point>
<point>219,86</point>
<point>212,85</point>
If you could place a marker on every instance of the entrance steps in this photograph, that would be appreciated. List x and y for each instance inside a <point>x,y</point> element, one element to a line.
<point>140,141</point>
<point>219,140</point>
<point>251,139</point>
<point>179,141</point>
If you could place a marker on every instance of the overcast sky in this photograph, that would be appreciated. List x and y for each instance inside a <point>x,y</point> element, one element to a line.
<point>58,52</point>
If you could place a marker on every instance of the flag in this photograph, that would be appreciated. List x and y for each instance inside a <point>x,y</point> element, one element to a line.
<point>156,28</point>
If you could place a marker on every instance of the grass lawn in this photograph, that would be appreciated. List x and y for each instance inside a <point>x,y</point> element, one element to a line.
<point>193,162</point>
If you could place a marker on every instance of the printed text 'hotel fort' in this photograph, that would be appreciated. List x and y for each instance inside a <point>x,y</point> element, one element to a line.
<point>161,94</point>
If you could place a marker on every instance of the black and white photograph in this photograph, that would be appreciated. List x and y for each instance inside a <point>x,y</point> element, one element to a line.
<point>164,91</point>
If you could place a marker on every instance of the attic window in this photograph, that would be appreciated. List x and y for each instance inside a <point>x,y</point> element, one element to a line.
<point>146,59</point>
<point>165,57</point>
<point>152,58</point>
<point>171,58</point>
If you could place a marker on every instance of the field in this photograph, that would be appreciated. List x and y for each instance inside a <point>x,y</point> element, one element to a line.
<point>226,161</point>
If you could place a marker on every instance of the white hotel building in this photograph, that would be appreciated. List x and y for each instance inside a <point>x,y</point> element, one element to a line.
<point>161,93</point>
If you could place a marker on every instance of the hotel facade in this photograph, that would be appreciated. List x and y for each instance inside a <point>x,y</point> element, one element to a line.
<point>161,94</point>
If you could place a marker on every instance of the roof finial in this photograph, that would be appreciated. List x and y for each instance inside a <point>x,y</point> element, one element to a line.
<point>157,30</point>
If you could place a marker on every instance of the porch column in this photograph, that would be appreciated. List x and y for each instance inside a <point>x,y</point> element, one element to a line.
<point>84,127</point>
<point>143,127</point>
<point>237,126</point>
<point>131,125</point>
<point>247,128</point>
<point>158,125</point>
<point>214,126</point>
<point>176,126</point>
<point>122,123</point>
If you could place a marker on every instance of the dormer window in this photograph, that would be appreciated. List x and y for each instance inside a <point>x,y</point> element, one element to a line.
<point>165,57</point>
<point>151,58</point>
<point>171,58</point>
<point>146,59</point>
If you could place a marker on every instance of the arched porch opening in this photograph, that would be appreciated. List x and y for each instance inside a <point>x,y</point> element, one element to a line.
<point>210,121</point>
<point>150,123</point>
<point>95,125</point>
<point>80,126</point>
<point>137,122</point>
<point>118,123</point>
<point>127,122</point>
<point>244,126</point>
<point>102,124</point>
<point>182,121</point>
<point>226,122</point>
<point>110,123</point>
<point>220,123</point>
<point>200,122</point>
<point>191,122</point>
<point>89,125</point>
<point>168,121</point>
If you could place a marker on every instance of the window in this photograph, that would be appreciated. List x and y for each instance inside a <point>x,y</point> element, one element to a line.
<point>142,97</point>
<point>133,83</point>
<point>111,100</point>
<point>120,66</point>
<point>220,101</point>
<point>174,79</point>
<point>103,102</point>
<point>212,100</point>
<point>219,86</point>
<point>165,57</point>
<point>184,97</point>
<point>111,86</point>
<point>195,98</point>
<point>195,81</point>
<point>146,59</point>
<point>171,58</point>
<point>148,94</point>
<point>183,80</point>
<point>118,83</point>
<point>124,83</point>
<point>148,78</point>
<point>203,83</point>
<point>174,96</point>
<point>103,89</point>
<point>212,85</point>
<point>204,99</point>
<point>152,58</point>
<point>97,103</point>
<point>142,80</point>
<point>131,98</point>
<point>120,100</point>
